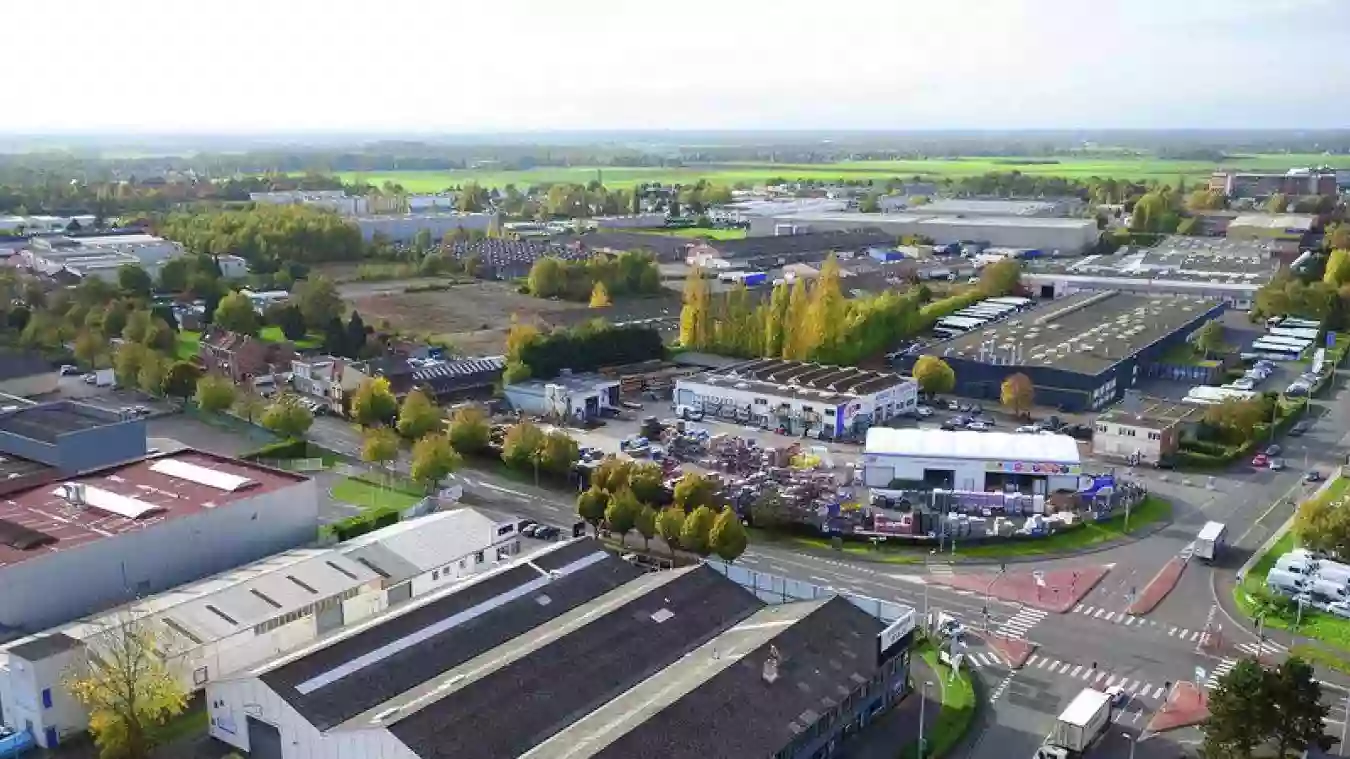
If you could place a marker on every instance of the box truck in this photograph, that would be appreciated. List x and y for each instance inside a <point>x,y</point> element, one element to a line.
<point>1211,541</point>
<point>1085,719</point>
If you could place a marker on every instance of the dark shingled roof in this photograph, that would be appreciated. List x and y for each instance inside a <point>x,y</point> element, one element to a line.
<point>823,657</point>
<point>339,701</point>
<point>509,711</point>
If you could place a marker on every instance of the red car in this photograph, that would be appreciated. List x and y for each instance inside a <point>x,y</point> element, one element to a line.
<point>1260,460</point>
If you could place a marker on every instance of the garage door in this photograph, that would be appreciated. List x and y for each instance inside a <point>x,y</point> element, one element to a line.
<point>329,619</point>
<point>264,740</point>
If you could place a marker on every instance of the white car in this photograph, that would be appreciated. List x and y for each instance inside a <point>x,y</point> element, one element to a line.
<point>1339,608</point>
<point>1276,464</point>
<point>977,427</point>
<point>1117,695</point>
<point>924,412</point>
<point>1028,429</point>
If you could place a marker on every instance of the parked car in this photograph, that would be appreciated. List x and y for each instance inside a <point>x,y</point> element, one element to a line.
<point>1118,695</point>
<point>923,412</point>
<point>530,529</point>
<point>1028,429</point>
<point>1276,464</point>
<point>977,426</point>
<point>1260,460</point>
<point>1300,427</point>
<point>1313,476</point>
<point>953,405</point>
<point>69,369</point>
<point>1273,449</point>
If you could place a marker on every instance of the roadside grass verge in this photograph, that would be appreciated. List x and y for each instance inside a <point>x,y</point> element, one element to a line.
<point>371,496</point>
<point>1326,628</point>
<point>958,707</point>
<point>1084,536</point>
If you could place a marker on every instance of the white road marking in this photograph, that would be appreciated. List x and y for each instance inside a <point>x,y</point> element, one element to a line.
<point>1074,673</point>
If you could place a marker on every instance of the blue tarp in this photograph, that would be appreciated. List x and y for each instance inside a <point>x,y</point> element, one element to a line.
<point>16,744</point>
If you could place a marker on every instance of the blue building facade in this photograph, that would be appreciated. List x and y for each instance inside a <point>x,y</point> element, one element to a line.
<point>71,437</point>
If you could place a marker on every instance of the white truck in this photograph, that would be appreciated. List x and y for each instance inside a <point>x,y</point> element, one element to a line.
<point>1081,723</point>
<point>103,378</point>
<point>1209,544</point>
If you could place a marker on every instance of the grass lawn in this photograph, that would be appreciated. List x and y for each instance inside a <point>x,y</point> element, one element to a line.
<point>958,707</point>
<point>1100,164</point>
<point>1150,512</point>
<point>711,234</point>
<point>361,493</point>
<point>188,344</point>
<point>1329,629</point>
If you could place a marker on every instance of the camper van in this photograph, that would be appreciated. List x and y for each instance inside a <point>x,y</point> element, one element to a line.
<point>1300,565</point>
<point>1284,581</point>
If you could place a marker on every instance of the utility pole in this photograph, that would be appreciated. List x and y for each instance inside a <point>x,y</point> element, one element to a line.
<point>922,701</point>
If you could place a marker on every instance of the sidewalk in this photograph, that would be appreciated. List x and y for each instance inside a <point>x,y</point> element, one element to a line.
<point>890,734</point>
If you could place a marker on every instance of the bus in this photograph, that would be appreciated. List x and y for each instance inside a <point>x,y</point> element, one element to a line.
<point>1009,300</point>
<point>963,323</point>
<point>1276,351</point>
<point>1292,342</point>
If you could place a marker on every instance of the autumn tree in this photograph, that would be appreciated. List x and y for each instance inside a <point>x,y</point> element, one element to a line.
<point>775,321</point>
<point>644,521</point>
<point>1017,394</point>
<point>1277,203</point>
<point>600,296</point>
<point>374,403</point>
<point>522,445</point>
<point>646,480</point>
<point>621,513</point>
<point>1322,523</point>
<point>214,393</point>
<point>1239,715</point>
<point>433,458</point>
<point>379,446</point>
<point>591,507</point>
<point>1001,278</point>
<point>613,474</point>
<point>697,528</point>
<point>318,300</point>
<point>235,314</point>
<point>824,313</point>
<point>670,525</point>
<point>795,341</point>
<point>418,416</point>
<point>470,430</point>
<point>150,378</point>
<point>558,453</point>
<point>287,418</point>
<point>694,490</point>
<point>180,381</point>
<point>1337,271</point>
<point>934,375</point>
<point>88,348</point>
<point>248,405</point>
<point>727,537</point>
<point>133,281</point>
<point>126,687</point>
<point>695,312</point>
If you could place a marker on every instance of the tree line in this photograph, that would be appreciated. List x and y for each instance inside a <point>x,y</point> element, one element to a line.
<point>627,496</point>
<point>267,237</point>
<point>629,273</point>
<point>812,320</point>
<point>586,347</point>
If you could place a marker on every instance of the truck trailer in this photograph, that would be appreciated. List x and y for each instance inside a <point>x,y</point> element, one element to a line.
<point>1085,719</point>
<point>1211,541</point>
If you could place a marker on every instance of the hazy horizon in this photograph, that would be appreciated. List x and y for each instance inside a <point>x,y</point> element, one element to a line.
<point>526,67</point>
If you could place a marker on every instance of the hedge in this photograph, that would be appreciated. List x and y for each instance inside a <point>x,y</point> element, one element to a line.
<point>363,523</point>
<point>294,448</point>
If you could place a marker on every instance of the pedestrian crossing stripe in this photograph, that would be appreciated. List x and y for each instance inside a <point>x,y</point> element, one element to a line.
<point>1221,669</point>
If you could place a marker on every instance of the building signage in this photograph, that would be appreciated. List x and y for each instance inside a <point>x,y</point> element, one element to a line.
<point>1032,467</point>
<point>894,638</point>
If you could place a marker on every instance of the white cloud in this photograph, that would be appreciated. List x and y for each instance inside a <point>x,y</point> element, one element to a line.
<point>460,65</point>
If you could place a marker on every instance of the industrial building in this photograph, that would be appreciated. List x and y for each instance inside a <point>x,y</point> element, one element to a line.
<point>981,207</point>
<point>441,201</point>
<point>1049,235</point>
<point>1282,227</point>
<point>800,398</point>
<point>899,459</point>
<point>577,653</point>
<point>1260,184</point>
<point>772,251</point>
<point>240,618</point>
<point>111,534</point>
<point>1144,430</point>
<point>568,396</point>
<point>403,228</point>
<point>24,375</point>
<point>99,256</point>
<point>337,201</point>
<point>1231,271</point>
<point>1081,352</point>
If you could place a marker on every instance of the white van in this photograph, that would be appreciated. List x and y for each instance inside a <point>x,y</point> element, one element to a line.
<point>1301,565</point>
<point>1333,571</point>
<point>1283,581</point>
<point>1332,590</point>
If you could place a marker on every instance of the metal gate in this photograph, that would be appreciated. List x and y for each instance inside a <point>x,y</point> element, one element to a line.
<point>264,740</point>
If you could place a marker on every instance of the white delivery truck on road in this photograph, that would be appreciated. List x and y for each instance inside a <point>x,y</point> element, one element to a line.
<point>1085,719</point>
<point>1211,541</point>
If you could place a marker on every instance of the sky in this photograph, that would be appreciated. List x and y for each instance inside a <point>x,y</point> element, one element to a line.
<point>251,66</point>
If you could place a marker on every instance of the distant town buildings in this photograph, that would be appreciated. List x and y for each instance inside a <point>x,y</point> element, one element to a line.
<point>98,256</point>
<point>1257,184</point>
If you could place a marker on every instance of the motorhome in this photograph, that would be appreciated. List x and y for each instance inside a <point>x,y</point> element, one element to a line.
<point>1286,582</point>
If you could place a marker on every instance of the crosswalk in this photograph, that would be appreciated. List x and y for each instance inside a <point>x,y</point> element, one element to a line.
<point>1252,649</point>
<point>1220,669</point>
<point>1121,618</point>
<point>1018,624</point>
<point>941,571</point>
<point>980,660</point>
<point>1098,678</point>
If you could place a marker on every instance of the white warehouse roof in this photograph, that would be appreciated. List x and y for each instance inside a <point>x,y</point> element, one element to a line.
<point>985,446</point>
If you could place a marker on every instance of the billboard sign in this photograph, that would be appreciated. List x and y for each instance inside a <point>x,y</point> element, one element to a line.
<point>895,638</point>
<point>1032,467</point>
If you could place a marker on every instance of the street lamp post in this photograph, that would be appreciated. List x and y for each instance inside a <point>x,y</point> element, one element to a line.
<point>1132,741</point>
<point>923,699</point>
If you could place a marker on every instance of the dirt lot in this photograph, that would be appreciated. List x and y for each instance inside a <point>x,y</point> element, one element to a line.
<point>476,316</point>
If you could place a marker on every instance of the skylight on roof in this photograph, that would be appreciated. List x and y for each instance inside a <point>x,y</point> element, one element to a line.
<point>201,475</point>
<point>80,494</point>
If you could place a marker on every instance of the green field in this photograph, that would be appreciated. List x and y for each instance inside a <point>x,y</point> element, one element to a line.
<point>362,493</point>
<point>189,341</point>
<point>728,173</point>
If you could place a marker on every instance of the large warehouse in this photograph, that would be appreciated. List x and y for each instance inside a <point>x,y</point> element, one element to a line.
<point>109,535</point>
<point>1231,271</point>
<point>1081,352</point>
<point>579,654</point>
<point>800,398</point>
<point>899,459</point>
<point>403,228</point>
<point>254,613</point>
<point>1050,235</point>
